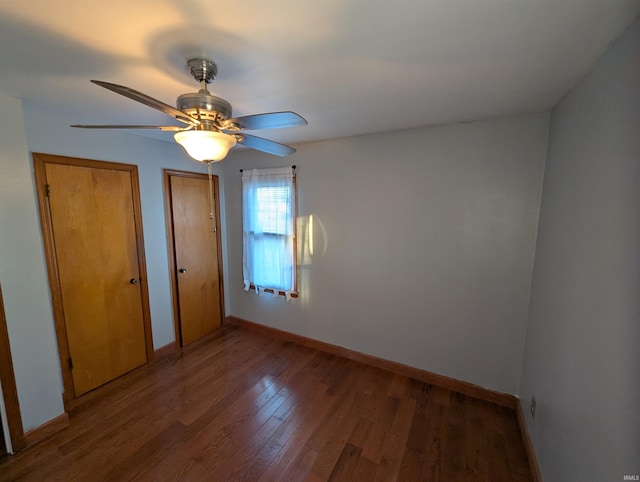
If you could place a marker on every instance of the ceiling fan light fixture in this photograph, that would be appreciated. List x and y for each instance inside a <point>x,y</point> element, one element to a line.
<point>205,146</point>
<point>211,130</point>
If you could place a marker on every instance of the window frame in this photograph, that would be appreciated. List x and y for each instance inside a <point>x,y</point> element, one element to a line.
<point>295,293</point>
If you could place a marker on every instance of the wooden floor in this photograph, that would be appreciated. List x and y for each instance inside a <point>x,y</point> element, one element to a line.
<point>244,406</point>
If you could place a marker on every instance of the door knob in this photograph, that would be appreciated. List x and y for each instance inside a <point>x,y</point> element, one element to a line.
<point>182,270</point>
<point>133,281</point>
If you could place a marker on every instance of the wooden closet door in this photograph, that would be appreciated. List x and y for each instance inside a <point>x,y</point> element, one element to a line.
<point>195,246</point>
<point>96,253</point>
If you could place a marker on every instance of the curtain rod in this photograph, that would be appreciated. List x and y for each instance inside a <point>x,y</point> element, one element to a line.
<point>292,167</point>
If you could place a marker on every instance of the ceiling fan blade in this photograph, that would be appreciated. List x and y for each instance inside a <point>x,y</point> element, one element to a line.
<point>270,120</point>
<point>265,145</point>
<point>148,101</point>
<point>162,128</point>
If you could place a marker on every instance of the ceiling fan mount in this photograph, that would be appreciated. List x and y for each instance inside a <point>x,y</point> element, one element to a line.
<point>201,111</point>
<point>209,109</point>
<point>203,70</point>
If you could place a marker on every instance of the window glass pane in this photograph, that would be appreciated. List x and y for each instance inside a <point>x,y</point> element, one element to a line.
<point>273,209</point>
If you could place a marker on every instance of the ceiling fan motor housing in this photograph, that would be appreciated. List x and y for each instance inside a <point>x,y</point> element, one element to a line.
<point>204,106</point>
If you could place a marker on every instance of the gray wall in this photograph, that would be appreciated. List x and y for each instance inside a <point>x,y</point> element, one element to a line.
<point>24,278</point>
<point>422,250</point>
<point>22,266</point>
<point>582,356</point>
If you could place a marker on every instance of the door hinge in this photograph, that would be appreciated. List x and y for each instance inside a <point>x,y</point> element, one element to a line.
<point>47,189</point>
<point>70,364</point>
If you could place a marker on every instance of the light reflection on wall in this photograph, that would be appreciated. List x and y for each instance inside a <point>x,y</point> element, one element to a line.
<point>312,241</point>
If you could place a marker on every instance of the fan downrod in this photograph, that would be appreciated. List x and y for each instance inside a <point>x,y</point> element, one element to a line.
<point>208,109</point>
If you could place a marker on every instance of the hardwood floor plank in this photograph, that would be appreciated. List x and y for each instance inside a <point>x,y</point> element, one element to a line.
<point>151,451</point>
<point>310,405</point>
<point>455,469</point>
<point>411,465</point>
<point>247,441</point>
<point>346,465</point>
<point>300,469</point>
<point>330,439</point>
<point>396,441</point>
<point>365,471</point>
<point>360,433</point>
<point>242,405</point>
<point>212,435</point>
<point>294,433</point>
<point>516,463</point>
<point>379,432</point>
<point>437,413</point>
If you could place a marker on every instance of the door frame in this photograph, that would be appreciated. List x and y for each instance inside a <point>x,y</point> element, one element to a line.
<point>8,388</point>
<point>39,162</point>
<point>171,244</point>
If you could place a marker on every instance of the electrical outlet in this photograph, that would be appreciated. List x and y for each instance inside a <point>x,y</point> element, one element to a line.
<point>533,407</point>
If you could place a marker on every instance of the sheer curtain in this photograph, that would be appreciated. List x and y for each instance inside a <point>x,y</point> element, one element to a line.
<point>268,213</point>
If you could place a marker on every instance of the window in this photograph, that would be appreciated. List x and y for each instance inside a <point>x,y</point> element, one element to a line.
<point>269,221</point>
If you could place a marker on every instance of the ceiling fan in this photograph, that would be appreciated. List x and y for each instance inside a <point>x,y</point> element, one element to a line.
<point>210,130</point>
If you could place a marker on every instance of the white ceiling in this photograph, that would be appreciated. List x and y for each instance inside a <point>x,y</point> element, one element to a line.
<point>348,66</point>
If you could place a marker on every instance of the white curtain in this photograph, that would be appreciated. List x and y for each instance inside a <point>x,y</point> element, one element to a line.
<point>268,213</point>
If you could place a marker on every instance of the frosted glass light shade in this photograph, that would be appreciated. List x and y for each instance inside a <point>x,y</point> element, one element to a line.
<point>205,145</point>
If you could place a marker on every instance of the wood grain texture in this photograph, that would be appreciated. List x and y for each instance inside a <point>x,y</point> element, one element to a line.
<point>8,382</point>
<point>196,256</point>
<point>128,205</point>
<point>97,257</point>
<point>242,405</point>
<point>466,388</point>
<point>168,175</point>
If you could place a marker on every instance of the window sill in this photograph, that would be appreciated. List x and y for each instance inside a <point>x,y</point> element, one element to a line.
<point>271,291</point>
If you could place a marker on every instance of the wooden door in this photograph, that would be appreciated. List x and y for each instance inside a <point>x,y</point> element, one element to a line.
<point>96,242</point>
<point>196,254</point>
